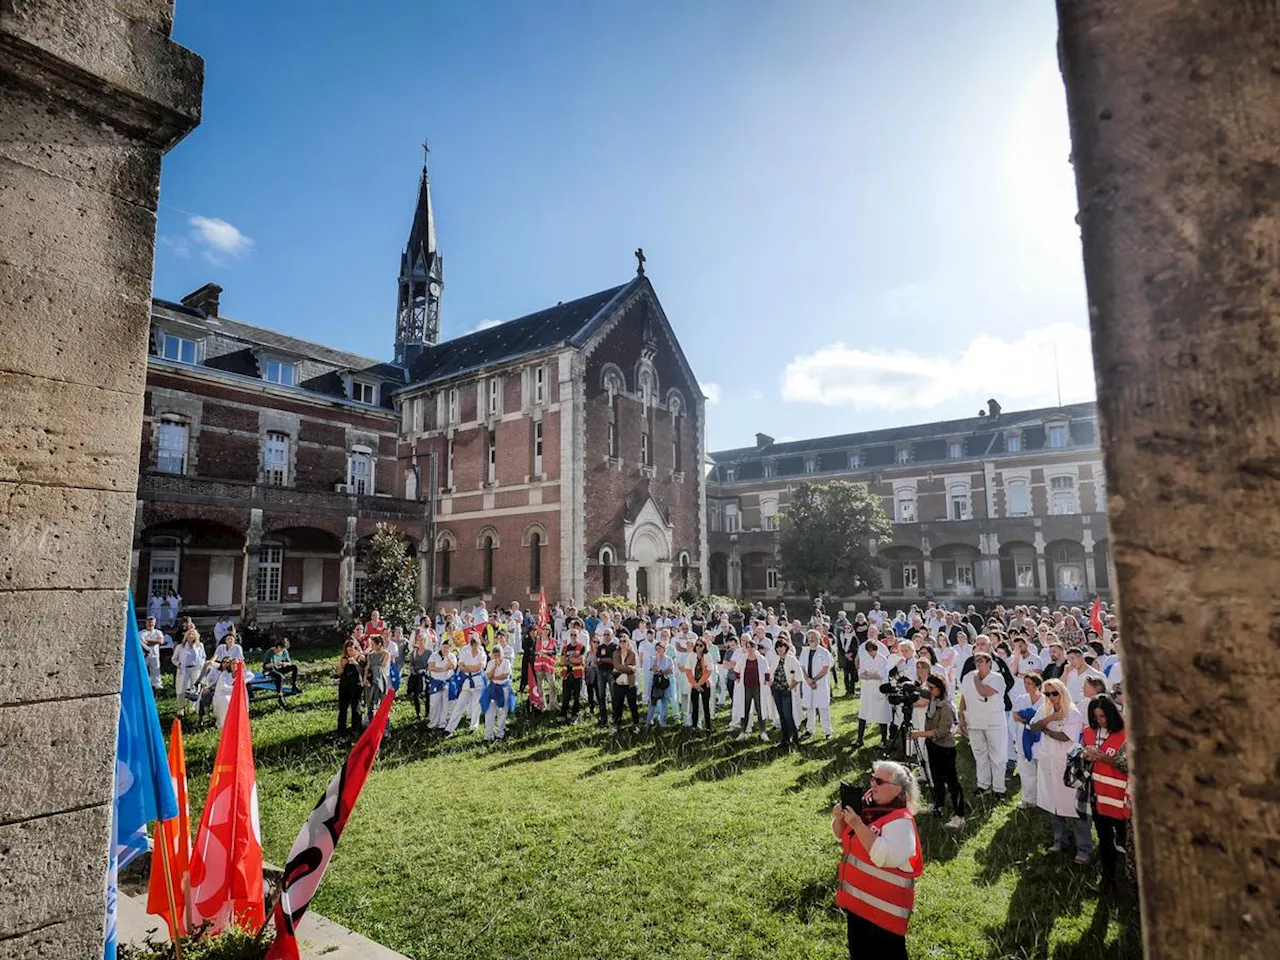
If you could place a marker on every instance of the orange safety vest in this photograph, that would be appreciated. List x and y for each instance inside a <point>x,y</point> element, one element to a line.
<point>883,895</point>
<point>1110,786</point>
<point>544,655</point>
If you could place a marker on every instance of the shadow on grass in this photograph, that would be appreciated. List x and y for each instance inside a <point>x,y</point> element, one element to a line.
<point>809,900</point>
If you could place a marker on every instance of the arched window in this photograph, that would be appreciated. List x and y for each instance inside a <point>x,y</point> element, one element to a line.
<point>488,546</point>
<point>535,561</point>
<point>606,571</point>
<point>613,386</point>
<point>444,562</point>
<point>411,484</point>
<point>684,570</point>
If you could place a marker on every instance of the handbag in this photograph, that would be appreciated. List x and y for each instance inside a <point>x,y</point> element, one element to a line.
<point>660,683</point>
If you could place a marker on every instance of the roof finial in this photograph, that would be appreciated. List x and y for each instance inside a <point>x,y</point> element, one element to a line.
<point>425,150</point>
<point>639,261</point>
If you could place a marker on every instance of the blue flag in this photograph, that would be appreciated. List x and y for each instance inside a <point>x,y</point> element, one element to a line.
<point>144,790</point>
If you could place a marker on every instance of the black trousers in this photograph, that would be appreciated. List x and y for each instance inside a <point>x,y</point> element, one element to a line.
<point>700,695</point>
<point>751,697</point>
<point>524,670</point>
<point>1111,837</point>
<point>350,697</point>
<point>884,731</point>
<point>592,674</point>
<point>278,671</point>
<point>850,670</point>
<point>625,694</point>
<point>870,942</point>
<point>418,693</point>
<point>942,765</point>
<point>570,695</point>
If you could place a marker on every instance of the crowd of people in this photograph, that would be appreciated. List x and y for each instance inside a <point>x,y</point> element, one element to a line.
<point>1035,692</point>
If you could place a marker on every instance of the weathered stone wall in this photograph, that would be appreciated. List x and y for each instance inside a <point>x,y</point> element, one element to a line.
<point>91,95</point>
<point>1175,128</point>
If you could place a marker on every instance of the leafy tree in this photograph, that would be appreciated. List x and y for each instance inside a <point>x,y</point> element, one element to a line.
<point>825,540</point>
<point>391,584</point>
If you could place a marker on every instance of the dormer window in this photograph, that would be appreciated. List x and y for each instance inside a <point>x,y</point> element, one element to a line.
<point>362,392</point>
<point>955,450</point>
<point>181,349</point>
<point>1013,443</point>
<point>1057,435</point>
<point>281,372</point>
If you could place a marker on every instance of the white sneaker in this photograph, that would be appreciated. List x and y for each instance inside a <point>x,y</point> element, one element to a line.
<point>956,823</point>
<point>742,736</point>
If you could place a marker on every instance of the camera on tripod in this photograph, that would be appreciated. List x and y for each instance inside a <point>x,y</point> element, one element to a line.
<point>903,691</point>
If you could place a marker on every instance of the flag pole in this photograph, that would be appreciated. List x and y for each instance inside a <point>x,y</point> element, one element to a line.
<point>175,919</point>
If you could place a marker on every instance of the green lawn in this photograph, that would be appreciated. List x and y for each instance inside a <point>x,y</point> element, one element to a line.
<point>569,843</point>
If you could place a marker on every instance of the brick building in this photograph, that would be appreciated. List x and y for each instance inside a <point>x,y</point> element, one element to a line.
<point>560,450</point>
<point>1007,506</point>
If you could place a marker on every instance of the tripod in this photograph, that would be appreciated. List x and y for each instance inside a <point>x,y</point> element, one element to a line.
<point>914,753</point>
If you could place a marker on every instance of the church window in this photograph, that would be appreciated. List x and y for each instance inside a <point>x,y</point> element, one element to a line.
<point>613,424</point>
<point>282,372</point>
<point>488,546</point>
<point>606,571</point>
<point>535,560</point>
<point>646,447</point>
<point>684,570</point>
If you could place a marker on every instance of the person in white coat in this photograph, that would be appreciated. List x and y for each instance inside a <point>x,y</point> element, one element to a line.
<point>815,692</point>
<point>440,668</point>
<point>188,662</point>
<point>874,707</point>
<point>982,719</point>
<point>1060,723</point>
<point>224,684</point>
<point>1026,707</point>
<point>787,678</point>
<point>750,687</point>
<point>471,663</point>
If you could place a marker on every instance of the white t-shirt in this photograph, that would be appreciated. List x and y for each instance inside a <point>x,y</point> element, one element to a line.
<point>981,712</point>
<point>228,651</point>
<point>895,846</point>
<point>150,637</point>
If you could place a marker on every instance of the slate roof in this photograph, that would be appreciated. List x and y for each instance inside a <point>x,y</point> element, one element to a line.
<point>562,324</point>
<point>943,428</point>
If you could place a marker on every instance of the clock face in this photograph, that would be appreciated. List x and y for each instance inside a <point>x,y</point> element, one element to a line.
<point>435,289</point>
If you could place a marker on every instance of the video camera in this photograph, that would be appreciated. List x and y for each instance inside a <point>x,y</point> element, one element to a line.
<point>903,690</point>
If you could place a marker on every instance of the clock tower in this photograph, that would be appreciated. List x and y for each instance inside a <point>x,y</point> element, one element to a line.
<point>421,281</point>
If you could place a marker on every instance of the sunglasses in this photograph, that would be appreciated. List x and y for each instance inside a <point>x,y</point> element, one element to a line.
<point>881,782</point>
<point>1052,694</point>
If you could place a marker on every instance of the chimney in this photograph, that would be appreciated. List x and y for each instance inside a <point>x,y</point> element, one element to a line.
<point>205,299</point>
<point>993,408</point>
<point>763,440</point>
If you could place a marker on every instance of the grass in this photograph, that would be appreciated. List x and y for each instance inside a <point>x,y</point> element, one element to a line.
<point>566,842</point>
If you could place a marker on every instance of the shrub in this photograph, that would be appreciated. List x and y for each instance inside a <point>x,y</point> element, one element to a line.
<point>231,944</point>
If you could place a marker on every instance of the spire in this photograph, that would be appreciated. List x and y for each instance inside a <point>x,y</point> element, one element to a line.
<point>421,278</point>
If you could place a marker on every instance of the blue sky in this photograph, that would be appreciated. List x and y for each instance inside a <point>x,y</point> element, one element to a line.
<point>856,214</point>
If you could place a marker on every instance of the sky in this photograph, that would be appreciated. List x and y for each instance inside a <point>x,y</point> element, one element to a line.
<point>855,214</point>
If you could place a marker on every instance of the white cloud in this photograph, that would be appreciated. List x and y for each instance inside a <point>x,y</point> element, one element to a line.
<point>217,239</point>
<point>712,392</point>
<point>486,325</point>
<point>1022,370</point>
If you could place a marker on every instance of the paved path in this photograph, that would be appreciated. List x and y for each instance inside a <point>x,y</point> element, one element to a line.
<point>318,938</point>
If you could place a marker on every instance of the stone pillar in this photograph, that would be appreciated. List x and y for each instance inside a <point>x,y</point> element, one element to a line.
<point>1175,123</point>
<point>91,96</point>
<point>632,569</point>
<point>1046,590</point>
<point>1090,569</point>
<point>347,572</point>
<point>252,553</point>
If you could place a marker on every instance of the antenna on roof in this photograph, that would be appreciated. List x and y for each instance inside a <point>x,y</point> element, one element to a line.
<point>1057,374</point>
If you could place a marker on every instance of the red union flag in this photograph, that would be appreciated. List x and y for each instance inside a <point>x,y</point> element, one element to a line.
<point>544,616</point>
<point>1095,616</point>
<point>175,836</point>
<point>309,857</point>
<point>226,866</point>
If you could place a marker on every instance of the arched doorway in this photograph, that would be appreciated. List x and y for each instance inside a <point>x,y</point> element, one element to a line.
<point>1066,571</point>
<point>642,585</point>
<point>648,539</point>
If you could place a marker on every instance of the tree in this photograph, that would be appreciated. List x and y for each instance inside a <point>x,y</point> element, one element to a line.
<point>391,584</point>
<point>826,534</point>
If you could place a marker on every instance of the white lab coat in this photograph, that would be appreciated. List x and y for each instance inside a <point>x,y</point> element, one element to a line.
<point>874,707</point>
<point>1051,762</point>
<point>767,708</point>
<point>819,697</point>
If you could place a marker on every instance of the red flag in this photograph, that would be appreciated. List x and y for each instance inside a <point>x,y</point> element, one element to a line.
<point>1095,616</point>
<point>315,843</point>
<point>535,690</point>
<point>173,836</point>
<point>226,867</point>
<point>544,616</point>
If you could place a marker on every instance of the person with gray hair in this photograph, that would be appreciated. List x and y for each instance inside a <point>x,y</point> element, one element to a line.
<point>882,860</point>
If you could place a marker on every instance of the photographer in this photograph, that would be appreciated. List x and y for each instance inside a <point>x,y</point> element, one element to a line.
<point>938,736</point>
<point>882,859</point>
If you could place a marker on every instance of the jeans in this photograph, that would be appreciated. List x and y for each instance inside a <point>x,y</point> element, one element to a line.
<point>1063,827</point>
<point>786,713</point>
<point>700,695</point>
<point>750,698</point>
<point>658,711</point>
<point>604,680</point>
<point>942,764</point>
<point>625,693</point>
<point>1111,837</point>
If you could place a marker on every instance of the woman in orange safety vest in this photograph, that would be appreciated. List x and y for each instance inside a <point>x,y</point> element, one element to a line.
<point>1104,747</point>
<point>882,859</point>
